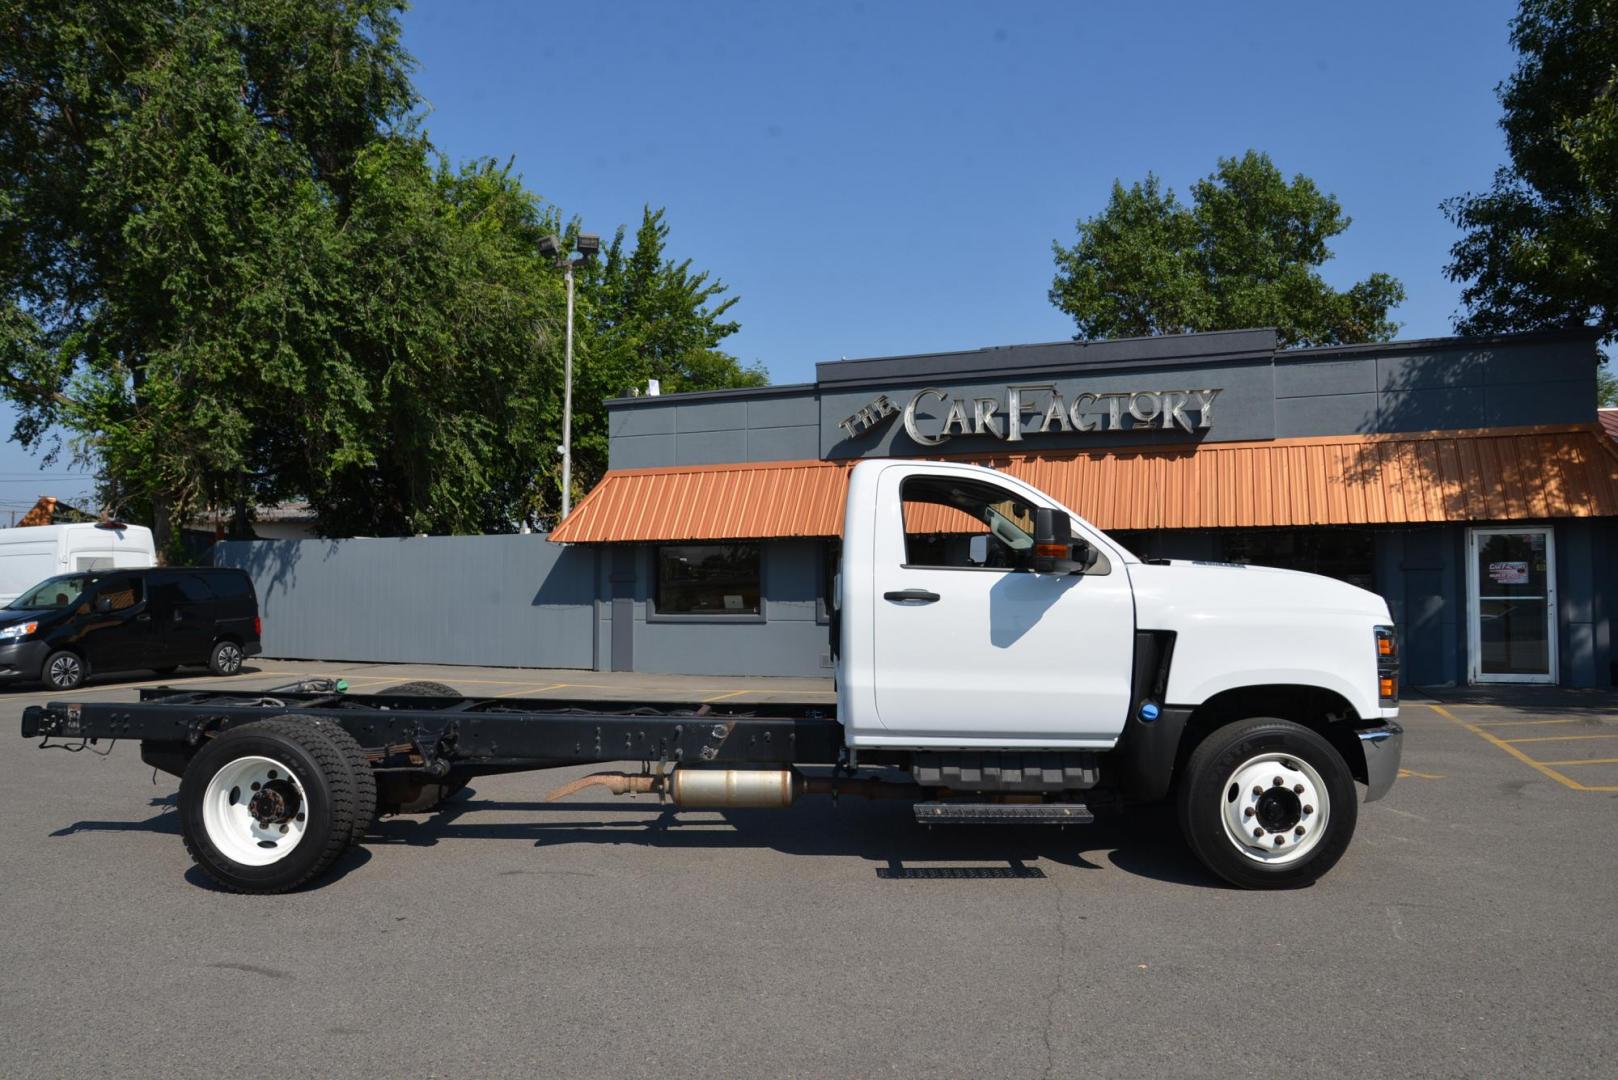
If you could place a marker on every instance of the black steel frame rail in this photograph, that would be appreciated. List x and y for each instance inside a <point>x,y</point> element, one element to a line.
<point>473,731</point>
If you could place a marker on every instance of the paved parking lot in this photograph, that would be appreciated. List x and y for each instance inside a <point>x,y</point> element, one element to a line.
<point>1468,932</point>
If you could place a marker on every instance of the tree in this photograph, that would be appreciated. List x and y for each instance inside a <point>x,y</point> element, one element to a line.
<point>645,316</point>
<point>233,270</point>
<point>175,178</point>
<point>1245,253</point>
<point>1540,247</point>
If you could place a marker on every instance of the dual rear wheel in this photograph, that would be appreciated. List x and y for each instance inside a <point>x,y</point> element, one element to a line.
<point>268,805</point>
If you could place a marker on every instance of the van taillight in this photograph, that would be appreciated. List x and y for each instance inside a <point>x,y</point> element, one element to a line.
<point>258,626</point>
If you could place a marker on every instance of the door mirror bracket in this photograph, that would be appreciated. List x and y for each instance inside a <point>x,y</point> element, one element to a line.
<point>1055,550</point>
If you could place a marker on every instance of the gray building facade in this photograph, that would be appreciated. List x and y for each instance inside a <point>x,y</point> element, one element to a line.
<point>1490,523</point>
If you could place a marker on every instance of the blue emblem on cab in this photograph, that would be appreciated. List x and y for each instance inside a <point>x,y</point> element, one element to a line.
<point>1148,712</point>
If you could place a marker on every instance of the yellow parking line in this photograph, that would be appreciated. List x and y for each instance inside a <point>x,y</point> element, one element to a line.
<point>1562,738</point>
<point>1565,781</point>
<point>1527,723</point>
<point>722,697</point>
<point>1586,761</point>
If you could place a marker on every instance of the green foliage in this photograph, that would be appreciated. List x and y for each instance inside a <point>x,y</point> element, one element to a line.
<point>1540,248</point>
<point>1243,254</point>
<point>233,271</point>
<point>1606,387</point>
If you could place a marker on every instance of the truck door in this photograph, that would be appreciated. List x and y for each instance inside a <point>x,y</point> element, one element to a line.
<point>971,644</point>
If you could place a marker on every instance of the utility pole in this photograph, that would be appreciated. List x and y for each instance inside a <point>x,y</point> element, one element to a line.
<point>552,247</point>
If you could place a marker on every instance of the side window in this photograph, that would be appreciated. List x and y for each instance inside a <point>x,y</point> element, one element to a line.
<point>965,524</point>
<point>193,589</point>
<point>117,594</point>
<point>708,579</point>
<point>227,586</point>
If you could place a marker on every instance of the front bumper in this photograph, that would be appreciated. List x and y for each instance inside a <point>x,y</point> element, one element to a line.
<point>22,660</point>
<point>1382,746</point>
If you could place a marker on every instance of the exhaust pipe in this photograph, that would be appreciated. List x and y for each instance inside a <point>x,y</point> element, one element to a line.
<point>732,788</point>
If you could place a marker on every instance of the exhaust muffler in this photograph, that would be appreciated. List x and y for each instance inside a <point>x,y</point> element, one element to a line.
<point>719,789</point>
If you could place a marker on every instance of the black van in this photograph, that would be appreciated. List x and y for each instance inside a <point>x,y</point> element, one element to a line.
<point>124,620</point>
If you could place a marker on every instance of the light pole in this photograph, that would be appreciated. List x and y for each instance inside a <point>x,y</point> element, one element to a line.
<point>551,247</point>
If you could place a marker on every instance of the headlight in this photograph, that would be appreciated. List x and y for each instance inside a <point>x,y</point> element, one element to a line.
<point>17,631</point>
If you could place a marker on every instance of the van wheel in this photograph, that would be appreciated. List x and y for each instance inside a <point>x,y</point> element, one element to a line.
<point>226,658</point>
<point>267,805</point>
<point>1267,804</point>
<point>63,670</point>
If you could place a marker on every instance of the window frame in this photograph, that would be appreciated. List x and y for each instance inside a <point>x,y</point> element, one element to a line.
<point>904,533</point>
<point>653,615</point>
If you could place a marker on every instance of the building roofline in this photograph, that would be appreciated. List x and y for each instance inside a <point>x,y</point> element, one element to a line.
<point>1208,348</point>
<point>1431,344</point>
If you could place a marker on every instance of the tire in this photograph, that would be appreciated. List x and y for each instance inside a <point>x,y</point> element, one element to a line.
<point>422,688</point>
<point>226,658</point>
<point>63,670</point>
<point>310,820</point>
<point>359,767</point>
<point>1267,804</point>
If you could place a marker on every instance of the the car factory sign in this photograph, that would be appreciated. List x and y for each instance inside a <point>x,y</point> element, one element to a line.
<point>933,417</point>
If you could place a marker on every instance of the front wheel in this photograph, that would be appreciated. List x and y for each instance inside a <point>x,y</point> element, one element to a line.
<point>1267,804</point>
<point>268,805</point>
<point>63,670</point>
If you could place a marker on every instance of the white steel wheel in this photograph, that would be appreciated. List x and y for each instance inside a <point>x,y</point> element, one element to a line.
<point>1276,808</point>
<point>269,805</point>
<point>1267,803</point>
<point>255,811</point>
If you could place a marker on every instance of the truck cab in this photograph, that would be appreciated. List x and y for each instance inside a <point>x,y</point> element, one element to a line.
<point>982,625</point>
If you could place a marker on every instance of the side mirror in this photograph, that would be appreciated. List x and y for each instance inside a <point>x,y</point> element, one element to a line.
<point>1054,549</point>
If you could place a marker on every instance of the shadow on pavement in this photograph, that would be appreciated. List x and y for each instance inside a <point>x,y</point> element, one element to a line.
<point>1145,842</point>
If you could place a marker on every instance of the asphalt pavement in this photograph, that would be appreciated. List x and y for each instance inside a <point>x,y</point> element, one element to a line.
<point>1469,931</point>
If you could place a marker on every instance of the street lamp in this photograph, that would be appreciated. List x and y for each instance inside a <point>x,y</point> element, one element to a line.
<point>560,252</point>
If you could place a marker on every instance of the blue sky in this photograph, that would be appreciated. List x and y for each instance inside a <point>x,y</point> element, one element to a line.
<point>880,178</point>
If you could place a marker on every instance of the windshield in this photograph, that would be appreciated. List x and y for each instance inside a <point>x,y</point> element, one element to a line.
<point>56,592</point>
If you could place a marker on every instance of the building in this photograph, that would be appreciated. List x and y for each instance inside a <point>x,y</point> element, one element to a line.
<point>1467,480</point>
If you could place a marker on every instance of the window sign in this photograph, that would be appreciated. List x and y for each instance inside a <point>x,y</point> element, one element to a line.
<point>1509,573</point>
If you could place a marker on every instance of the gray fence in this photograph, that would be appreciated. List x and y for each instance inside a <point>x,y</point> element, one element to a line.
<point>517,601</point>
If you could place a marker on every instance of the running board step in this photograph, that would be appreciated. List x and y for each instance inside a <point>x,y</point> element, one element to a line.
<point>961,813</point>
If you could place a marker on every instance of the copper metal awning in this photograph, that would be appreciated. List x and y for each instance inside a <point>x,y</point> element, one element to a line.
<point>1501,474</point>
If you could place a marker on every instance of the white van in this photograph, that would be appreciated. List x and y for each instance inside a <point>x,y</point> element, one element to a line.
<point>31,553</point>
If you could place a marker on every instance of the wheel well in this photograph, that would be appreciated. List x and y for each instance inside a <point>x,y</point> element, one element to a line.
<point>1320,710</point>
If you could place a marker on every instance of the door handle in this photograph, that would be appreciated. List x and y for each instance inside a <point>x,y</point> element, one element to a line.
<point>921,595</point>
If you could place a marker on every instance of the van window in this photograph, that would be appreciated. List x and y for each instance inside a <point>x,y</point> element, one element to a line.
<point>118,592</point>
<point>194,589</point>
<point>56,592</point>
<point>229,585</point>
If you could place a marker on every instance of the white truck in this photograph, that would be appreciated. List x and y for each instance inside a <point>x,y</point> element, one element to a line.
<point>1000,661</point>
<point>30,554</point>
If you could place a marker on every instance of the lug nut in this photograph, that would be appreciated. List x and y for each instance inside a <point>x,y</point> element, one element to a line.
<point>1248,812</point>
<point>255,785</point>
<point>1257,791</point>
<point>283,826</point>
<point>1298,831</point>
<point>1297,789</point>
<point>1279,840</point>
<point>1258,832</point>
<point>1278,781</point>
<point>1308,809</point>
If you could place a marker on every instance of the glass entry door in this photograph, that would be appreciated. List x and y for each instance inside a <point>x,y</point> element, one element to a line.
<point>1511,578</point>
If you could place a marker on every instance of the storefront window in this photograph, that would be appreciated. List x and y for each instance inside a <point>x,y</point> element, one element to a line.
<point>709,579</point>
<point>1344,554</point>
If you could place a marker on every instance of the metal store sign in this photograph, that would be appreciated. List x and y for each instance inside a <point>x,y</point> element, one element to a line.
<point>1038,409</point>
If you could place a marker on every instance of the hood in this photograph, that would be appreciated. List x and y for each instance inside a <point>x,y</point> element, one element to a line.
<point>1185,584</point>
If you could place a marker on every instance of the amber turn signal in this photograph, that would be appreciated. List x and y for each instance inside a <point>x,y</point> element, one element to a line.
<point>1388,686</point>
